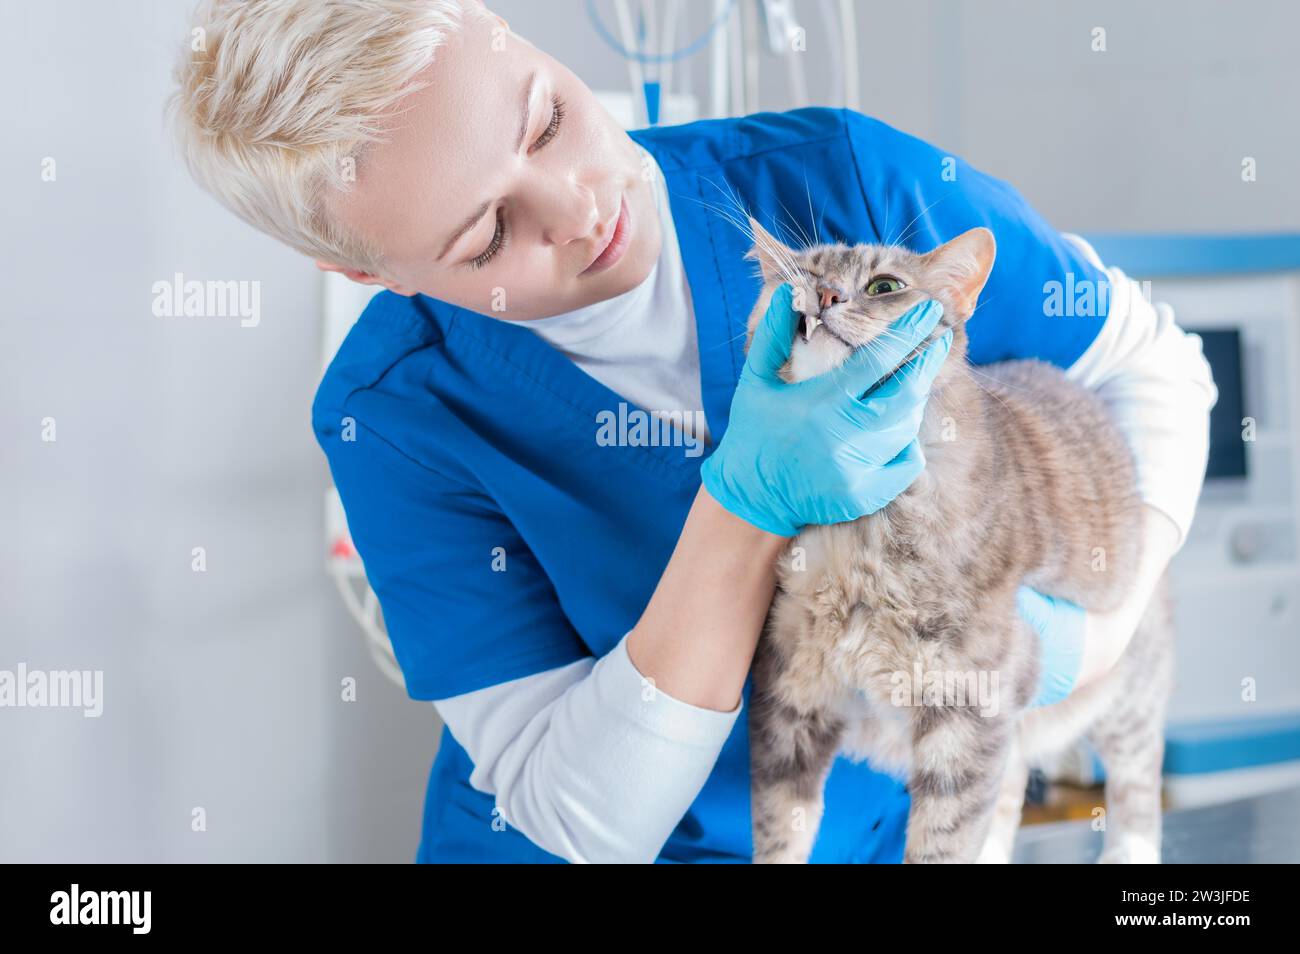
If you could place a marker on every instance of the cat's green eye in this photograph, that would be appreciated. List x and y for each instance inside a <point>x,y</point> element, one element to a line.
<point>884,285</point>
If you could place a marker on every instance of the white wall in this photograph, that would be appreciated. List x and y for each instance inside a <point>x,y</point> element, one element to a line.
<point>1146,136</point>
<point>222,688</point>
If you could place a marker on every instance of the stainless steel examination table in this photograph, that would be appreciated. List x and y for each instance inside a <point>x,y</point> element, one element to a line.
<point>1264,829</point>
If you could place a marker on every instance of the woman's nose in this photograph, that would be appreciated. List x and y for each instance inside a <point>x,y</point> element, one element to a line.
<point>569,212</point>
<point>830,293</point>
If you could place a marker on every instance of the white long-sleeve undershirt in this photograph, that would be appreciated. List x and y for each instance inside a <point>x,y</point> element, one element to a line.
<point>1158,387</point>
<point>589,760</point>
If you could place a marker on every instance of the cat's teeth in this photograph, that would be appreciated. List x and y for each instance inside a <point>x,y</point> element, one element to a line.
<point>809,326</point>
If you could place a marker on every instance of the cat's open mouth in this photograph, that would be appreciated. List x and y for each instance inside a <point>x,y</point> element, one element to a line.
<point>808,325</point>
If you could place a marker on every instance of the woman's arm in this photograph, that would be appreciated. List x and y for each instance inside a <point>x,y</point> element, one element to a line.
<point>599,760</point>
<point>697,637</point>
<point>1158,387</point>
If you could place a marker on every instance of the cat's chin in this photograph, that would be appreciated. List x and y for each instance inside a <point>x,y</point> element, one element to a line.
<point>813,357</point>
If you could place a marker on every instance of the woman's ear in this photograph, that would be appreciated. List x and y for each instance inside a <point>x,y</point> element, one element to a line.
<point>959,269</point>
<point>364,278</point>
<point>774,258</point>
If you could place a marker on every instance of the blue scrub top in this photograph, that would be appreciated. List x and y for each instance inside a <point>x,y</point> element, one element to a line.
<point>455,438</point>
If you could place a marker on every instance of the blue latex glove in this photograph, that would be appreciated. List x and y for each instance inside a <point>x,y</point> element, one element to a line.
<point>817,452</point>
<point>1060,625</point>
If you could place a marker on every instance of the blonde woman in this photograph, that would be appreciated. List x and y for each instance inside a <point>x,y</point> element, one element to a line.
<point>554,452</point>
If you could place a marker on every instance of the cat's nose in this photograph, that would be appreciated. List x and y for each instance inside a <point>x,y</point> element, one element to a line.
<point>831,293</point>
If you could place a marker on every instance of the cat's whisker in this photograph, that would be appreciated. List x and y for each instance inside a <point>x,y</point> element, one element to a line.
<point>902,237</point>
<point>808,193</point>
<point>885,230</point>
<point>783,257</point>
<point>802,235</point>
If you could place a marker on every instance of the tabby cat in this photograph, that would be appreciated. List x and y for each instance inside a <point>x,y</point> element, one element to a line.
<point>896,638</point>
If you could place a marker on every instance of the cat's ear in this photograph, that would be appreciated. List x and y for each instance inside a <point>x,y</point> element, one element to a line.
<point>772,256</point>
<point>960,268</point>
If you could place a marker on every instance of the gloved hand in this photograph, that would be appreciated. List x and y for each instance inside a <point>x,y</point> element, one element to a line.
<point>818,452</point>
<point>1061,625</point>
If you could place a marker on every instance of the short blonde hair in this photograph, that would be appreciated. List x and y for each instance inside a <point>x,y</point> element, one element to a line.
<point>276,101</point>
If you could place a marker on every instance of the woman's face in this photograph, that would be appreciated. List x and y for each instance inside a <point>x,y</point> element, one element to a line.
<point>489,196</point>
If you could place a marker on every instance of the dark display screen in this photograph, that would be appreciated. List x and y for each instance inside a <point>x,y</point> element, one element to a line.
<point>1227,449</point>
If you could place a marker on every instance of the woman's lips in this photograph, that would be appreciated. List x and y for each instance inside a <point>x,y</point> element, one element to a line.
<point>618,242</point>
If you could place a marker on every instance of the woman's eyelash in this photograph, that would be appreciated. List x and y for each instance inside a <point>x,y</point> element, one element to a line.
<point>557,117</point>
<point>498,240</point>
<point>499,236</point>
